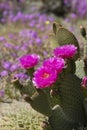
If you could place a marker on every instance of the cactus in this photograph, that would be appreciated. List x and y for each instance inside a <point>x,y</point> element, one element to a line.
<point>61,98</point>
<point>80,66</point>
<point>64,36</point>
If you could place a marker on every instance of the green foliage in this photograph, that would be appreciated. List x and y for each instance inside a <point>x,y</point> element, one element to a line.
<point>64,36</point>
<point>40,103</point>
<point>24,120</point>
<point>38,100</point>
<point>84,91</point>
<point>59,120</point>
<point>72,99</point>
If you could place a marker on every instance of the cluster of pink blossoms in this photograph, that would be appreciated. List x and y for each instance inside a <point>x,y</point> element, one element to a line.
<point>65,51</point>
<point>29,61</point>
<point>46,75</point>
<point>84,82</point>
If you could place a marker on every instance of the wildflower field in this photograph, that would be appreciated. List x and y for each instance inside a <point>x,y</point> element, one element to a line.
<point>30,57</point>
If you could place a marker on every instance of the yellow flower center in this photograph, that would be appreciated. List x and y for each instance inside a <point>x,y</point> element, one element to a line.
<point>47,22</point>
<point>45,75</point>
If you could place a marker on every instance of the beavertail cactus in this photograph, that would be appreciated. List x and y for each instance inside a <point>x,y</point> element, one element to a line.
<point>57,85</point>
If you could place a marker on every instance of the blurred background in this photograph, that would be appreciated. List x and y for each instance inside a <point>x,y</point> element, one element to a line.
<point>25,28</point>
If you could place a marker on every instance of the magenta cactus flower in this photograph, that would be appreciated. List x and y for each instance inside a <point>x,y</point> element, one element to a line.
<point>84,81</point>
<point>44,77</point>
<point>55,63</point>
<point>65,51</point>
<point>29,61</point>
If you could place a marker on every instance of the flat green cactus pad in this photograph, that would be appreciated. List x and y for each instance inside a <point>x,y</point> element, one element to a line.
<point>59,121</point>
<point>64,36</point>
<point>80,69</point>
<point>84,91</point>
<point>72,98</point>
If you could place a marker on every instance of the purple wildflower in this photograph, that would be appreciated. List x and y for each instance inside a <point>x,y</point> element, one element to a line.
<point>9,45</point>
<point>21,76</point>
<point>44,77</point>
<point>3,20</point>
<point>2,39</point>
<point>29,61</point>
<point>32,25</point>
<point>54,63</point>
<point>65,51</point>
<point>73,16</point>
<point>6,65</point>
<point>34,34</point>
<point>38,41</point>
<point>14,67</point>
<point>12,36</point>
<point>4,73</point>
<point>2,93</point>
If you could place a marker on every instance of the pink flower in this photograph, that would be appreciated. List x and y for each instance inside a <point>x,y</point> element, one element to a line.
<point>65,51</point>
<point>54,63</point>
<point>29,61</point>
<point>44,77</point>
<point>84,82</point>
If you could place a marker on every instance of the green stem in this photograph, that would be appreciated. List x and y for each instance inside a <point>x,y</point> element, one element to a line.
<point>30,72</point>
